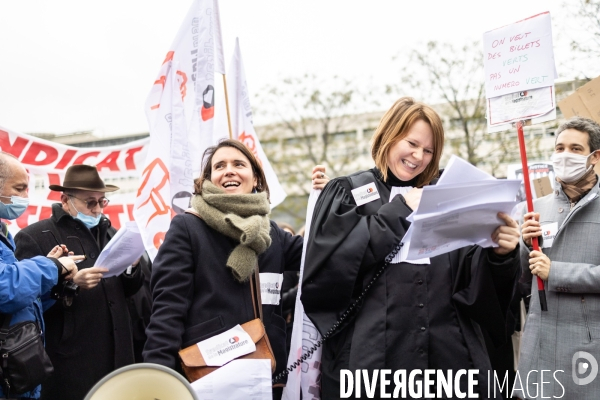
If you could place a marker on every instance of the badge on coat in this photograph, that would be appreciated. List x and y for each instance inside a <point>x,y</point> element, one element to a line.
<point>365,194</point>
<point>270,287</point>
<point>549,232</point>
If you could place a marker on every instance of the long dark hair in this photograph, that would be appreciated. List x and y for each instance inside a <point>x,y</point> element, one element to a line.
<point>259,174</point>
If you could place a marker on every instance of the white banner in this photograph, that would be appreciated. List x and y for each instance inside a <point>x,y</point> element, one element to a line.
<point>42,156</point>
<point>180,111</point>
<point>306,378</point>
<point>47,162</point>
<point>241,122</point>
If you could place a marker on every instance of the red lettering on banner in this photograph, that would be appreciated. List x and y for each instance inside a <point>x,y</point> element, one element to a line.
<point>85,156</point>
<point>64,161</point>
<point>113,212</point>
<point>16,148</point>
<point>22,221</point>
<point>159,238</point>
<point>250,143</point>
<point>154,196</point>
<point>182,87</point>
<point>169,56</point>
<point>34,151</point>
<point>109,162</point>
<point>130,211</point>
<point>129,161</point>
<point>54,179</point>
<point>45,213</point>
<point>161,81</point>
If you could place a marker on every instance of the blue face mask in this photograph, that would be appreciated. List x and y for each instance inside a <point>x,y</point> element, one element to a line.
<point>14,210</point>
<point>88,220</point>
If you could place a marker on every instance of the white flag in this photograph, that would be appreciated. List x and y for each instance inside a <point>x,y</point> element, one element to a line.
<point>305,379</point>
<point>241,122</point>
<point>180,112</point>
<point>219,57</point>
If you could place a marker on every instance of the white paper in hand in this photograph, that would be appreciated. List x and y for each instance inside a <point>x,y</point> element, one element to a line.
<point>122,250</point>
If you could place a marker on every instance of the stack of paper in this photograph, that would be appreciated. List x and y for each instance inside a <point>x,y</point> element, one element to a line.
<point>461,210</point>
<point>122,250</point>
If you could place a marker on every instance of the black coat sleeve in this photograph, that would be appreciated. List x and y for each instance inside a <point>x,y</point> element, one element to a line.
<point>484,288</point>
<point>292,249</point>
<point>172,286</point>
<point>27,246</point>
<point>132,283</point>
<point>343,244</point>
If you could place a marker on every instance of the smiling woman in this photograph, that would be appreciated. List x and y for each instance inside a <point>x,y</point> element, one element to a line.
<point>412,315</point>
<point>231,170</point>
<point>201,275</point>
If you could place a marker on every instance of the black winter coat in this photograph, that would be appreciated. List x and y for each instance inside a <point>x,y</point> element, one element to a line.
<point>92,337</point>
<point>195,295</point>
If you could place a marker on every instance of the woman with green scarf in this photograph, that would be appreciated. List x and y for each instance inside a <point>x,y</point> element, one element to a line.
<point>201,275</point>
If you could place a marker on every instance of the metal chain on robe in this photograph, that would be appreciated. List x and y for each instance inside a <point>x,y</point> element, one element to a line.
<point>345,315</point>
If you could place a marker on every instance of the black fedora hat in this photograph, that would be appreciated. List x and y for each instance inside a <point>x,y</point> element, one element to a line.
<point>83,177</point>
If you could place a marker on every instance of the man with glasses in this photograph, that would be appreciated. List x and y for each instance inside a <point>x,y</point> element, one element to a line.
<point>89,335</point>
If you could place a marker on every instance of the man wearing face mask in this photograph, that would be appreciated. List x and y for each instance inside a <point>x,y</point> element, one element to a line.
<point>24,285</point>
<point>567,225</point>
<point>92,336</point>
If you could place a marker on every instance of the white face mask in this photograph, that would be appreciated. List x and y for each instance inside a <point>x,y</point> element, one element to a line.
<point>570,167</point>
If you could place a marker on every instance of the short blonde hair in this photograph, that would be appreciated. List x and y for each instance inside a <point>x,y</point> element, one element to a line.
<point>394,126</point>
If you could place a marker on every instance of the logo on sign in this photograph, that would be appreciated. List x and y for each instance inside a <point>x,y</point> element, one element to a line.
<point>234,339</point>
<point>208,110</point>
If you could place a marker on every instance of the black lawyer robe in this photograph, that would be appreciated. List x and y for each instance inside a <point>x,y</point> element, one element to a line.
<point>414,316</point>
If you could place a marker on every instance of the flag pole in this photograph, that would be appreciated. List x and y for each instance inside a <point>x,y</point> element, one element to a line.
<point>227,106</point>
<point>534,240</point>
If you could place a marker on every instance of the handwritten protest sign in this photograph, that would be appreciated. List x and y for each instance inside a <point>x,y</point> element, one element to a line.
<point>519,56</point>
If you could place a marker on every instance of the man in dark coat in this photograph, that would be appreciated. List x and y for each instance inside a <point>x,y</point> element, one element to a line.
<point>89,335</point>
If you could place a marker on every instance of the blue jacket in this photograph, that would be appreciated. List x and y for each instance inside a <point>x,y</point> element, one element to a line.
<point>22,285</point>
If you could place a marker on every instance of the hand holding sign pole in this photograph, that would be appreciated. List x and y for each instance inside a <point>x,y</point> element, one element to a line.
<point>519,81</point>
<point>534,240</point>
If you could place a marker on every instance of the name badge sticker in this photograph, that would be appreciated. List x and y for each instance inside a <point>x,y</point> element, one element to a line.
<point>270,287</point>
<point>365,194</point>
<point>224,347</point>
<point>549,232</point>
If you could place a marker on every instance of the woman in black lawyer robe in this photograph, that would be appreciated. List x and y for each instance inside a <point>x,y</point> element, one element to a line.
<point>415,316</point>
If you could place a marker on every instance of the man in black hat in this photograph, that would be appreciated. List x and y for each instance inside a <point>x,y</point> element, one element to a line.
<point>88,335</point>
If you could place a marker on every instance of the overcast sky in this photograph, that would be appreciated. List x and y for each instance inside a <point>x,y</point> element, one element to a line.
<point>80,65</point>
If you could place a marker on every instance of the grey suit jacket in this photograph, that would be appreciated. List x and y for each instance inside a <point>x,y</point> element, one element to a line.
<point>572,323</point>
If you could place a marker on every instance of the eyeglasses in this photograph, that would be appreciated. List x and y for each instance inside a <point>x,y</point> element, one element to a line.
<point>69,237</point>
<point>91,204</point>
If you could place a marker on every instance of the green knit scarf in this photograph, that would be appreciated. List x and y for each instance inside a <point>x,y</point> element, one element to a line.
<point>243,217</point>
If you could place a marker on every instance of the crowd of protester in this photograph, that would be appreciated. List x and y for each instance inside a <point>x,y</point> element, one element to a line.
<point>450,312</point>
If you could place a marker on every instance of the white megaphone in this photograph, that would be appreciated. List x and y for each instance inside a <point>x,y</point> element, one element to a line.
<point>143,381</point>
